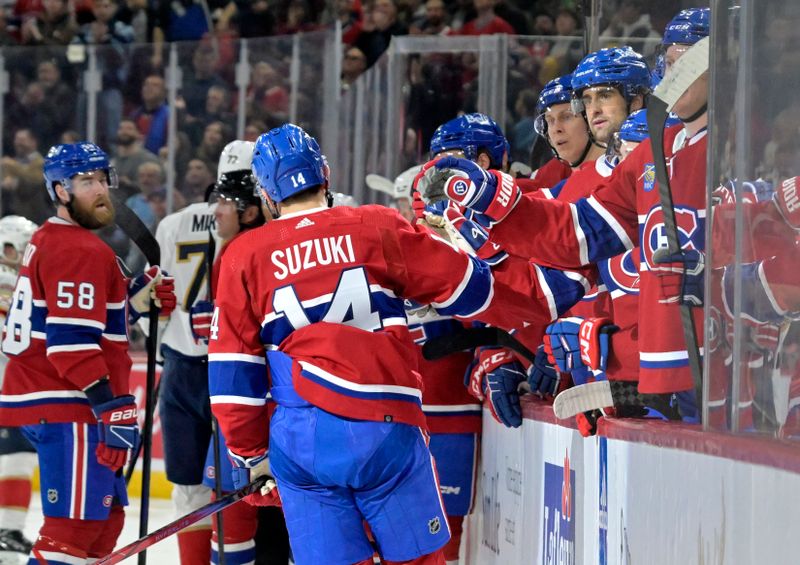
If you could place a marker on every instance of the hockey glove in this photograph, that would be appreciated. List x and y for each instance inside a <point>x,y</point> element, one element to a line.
<point>476,237</point>
<point>153,284</point>
<point>491,193</point>
<point>681,275</point>
<point>200,320</point>
<point>495,377</point>
<point>543,377</point>
<point>118,430</point>
<point>247,469</point>
<point>580,346</point>
<point>788,202</point>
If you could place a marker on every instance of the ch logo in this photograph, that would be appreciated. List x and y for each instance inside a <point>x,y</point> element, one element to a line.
<point>460,187</point>
<point>566,491</point>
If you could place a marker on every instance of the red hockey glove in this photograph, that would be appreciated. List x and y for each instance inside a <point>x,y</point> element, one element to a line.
<point>490,193</point>
<point>788,202</point>
<point>200,320</point>
<point>118,430</point>
<point>247,469</point>
<point>153,284</point>
<point>681,276</point>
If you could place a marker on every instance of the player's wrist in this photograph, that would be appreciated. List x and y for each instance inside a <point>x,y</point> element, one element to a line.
<point>99,392</point>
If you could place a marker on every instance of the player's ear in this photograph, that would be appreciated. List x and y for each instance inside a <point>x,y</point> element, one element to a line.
<point>637,103</point>
<point>249,215</point>
<point>61,194</point>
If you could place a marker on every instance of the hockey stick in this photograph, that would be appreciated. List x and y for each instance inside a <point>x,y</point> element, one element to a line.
<point>621,395</point>
<point>686,70</point>
<point>135,229</point>
<point>471,338</point>
<point>164,532</point>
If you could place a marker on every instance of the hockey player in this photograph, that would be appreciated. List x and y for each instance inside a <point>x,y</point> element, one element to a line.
<point>622,212</point>
<point>606,86</point>
<point>322,291</point>
<point>17,455</point>
<point>238,209</point>
<point>66,381</point>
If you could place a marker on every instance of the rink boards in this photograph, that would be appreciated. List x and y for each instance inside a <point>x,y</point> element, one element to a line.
<point>638,492</point>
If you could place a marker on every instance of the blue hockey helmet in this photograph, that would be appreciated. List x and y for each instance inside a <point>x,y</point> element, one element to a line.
<point>66,160</point>
<point>471,133</point>
<point>635,127</point>
<point>621,67</point>
<point>688,27</point>
<point>557,91</point>
<point>287,161</point>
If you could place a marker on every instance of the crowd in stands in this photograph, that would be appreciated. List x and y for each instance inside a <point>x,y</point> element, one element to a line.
<point>47,53</point>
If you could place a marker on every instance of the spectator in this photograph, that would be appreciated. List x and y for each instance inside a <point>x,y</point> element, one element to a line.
<point>200,78</point>
<point>217,109</point>
<point>184,151</point>
<point>349,14</point>
<point>543,24</point>
<point>53,26</point>
<point>435,21</point>
<point>267,97</point>
<point>70,136</point>
<point>150,178</point>
<point>567,50</point>
<point>628,22</point>
<point>215,137</point>
<point>353,64</point>
<point>517,18</point>
<point>59,104</point>
<point>486,22</point>
<point>158,204</point>
<point>179,20</point>
<point>379,27</point>
<point>254,18</point>
<point>6,37</point>
<point>152,116</point>
<point>298,18</point>
<point>130,153</point>
<point>109,31</point>
<point>523,133</point>
<point>253,129</point>
<point>134,14</point>
<point>22,179</point>
<point>199,175</point>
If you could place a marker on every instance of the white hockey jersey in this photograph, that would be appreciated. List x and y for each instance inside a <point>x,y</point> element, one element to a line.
<point>183,237</point>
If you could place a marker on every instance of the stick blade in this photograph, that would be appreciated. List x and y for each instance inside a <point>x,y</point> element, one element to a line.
<point>583,398</point>
<point>683,73</point>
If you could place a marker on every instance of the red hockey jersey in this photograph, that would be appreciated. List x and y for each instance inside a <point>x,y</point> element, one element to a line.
<point>625,211</point>
<point>66,328</point>
<point>326,288</point>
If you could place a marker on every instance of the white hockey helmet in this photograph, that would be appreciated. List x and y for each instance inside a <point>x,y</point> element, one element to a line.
<point>342,199</point>
<point>15,233</point>
<point>237,156</point>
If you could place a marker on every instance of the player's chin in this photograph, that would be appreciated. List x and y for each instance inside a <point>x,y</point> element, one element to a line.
<point>104,214</point>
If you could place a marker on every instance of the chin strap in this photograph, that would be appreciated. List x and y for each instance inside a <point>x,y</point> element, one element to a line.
<point>703,109</point>
<point>585,151</point>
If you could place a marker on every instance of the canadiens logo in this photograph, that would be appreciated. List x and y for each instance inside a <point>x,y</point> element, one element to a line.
<point>107,500</point>
<point>624,272</point>
<point>649,176</point>
<point>210,472</point>
<point>460,187</point>
<point>654,235</point>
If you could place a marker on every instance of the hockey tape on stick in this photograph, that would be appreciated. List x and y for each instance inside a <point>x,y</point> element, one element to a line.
<point>181,523</point>
<point>471,338</point>
<point>603,394</point>
<point>686,70</point>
